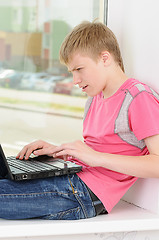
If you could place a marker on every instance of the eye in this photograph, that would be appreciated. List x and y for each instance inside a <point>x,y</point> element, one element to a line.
<point>78,69</point>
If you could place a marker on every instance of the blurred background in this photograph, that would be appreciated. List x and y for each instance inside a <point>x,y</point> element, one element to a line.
<point>37,95</point>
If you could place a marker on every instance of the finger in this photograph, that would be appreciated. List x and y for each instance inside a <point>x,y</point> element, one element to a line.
<point>28,149</point>
<point>62,147</point>
<point>64,153</point>
<point>65,157</point>
<point>26,153</point>
<point>44,151</point>
<point>22,153</point>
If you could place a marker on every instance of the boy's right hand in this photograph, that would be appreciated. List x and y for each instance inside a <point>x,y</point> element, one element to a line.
<point>31,147</point>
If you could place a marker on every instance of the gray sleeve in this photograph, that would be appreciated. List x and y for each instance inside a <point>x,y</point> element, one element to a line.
<point>87,106</point>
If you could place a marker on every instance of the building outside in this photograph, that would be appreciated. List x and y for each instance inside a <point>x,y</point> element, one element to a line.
<point>32,31</point>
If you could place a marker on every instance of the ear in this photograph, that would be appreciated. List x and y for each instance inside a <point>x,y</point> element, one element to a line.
<point>105,56</point>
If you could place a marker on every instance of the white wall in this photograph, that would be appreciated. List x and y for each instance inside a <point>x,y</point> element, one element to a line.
<point>136,26</point>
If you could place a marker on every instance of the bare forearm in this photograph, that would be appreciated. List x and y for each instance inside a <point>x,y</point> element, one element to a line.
<point>146,166</point>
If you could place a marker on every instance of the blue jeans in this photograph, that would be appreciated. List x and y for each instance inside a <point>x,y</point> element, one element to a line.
<point>65,197</point>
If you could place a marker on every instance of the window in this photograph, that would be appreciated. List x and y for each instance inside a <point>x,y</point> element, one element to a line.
<point>37,96</point>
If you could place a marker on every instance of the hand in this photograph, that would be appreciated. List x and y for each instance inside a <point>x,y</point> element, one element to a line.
<point>76,149</point>
<point>38,145</point>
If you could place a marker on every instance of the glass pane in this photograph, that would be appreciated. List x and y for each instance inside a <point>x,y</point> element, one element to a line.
<point>37,96</point>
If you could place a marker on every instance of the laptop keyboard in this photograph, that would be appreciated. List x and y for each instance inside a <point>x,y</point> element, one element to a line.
<point>34,166</point>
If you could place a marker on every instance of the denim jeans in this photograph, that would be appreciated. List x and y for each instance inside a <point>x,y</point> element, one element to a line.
<point>65,197</point>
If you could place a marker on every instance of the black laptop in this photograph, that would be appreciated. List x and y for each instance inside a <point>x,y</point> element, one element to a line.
<point>35,167</point>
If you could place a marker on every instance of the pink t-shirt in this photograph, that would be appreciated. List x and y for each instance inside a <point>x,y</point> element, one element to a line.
<point>118,125</point>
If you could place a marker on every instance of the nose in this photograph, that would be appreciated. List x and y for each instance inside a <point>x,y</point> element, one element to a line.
<point>76,78</point>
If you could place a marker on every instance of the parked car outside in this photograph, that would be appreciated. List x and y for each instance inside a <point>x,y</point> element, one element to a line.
<point>65,86</point>
<point>3,74</point>
<point>26,81</point>
<point>48,83</point>
<point>10,78</point>
<point>58,70</point>
<point>29,80</point>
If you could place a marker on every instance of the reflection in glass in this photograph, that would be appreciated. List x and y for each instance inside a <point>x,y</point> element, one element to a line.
<point>32,80</point>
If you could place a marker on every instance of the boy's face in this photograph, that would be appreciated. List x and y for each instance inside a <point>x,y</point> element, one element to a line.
<point>87,74</point>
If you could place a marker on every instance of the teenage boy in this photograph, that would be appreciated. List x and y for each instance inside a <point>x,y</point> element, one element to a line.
<point>120,131</point>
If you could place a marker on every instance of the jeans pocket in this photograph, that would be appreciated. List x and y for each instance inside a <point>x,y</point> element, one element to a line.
<point>70,214</point>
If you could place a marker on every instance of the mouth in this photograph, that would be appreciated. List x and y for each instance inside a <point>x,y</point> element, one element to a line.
<point>84,87</point>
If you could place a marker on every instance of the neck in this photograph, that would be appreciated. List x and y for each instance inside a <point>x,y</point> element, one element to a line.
<point>114,83</point>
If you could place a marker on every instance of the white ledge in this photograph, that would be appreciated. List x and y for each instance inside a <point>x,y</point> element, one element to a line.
<point>125,217</point>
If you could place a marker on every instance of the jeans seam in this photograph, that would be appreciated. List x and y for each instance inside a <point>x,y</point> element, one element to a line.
<point>27,194</point>
<point>78,199</point>
<point>62,213</point>
<point>81,204</point>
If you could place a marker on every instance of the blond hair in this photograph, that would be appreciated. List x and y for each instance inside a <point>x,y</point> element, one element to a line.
<point>91,39</point>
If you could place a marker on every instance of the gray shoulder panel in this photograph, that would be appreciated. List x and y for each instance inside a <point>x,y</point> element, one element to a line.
<point>87,106</point>
<point>122,124</point>
<point>155,93</point>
